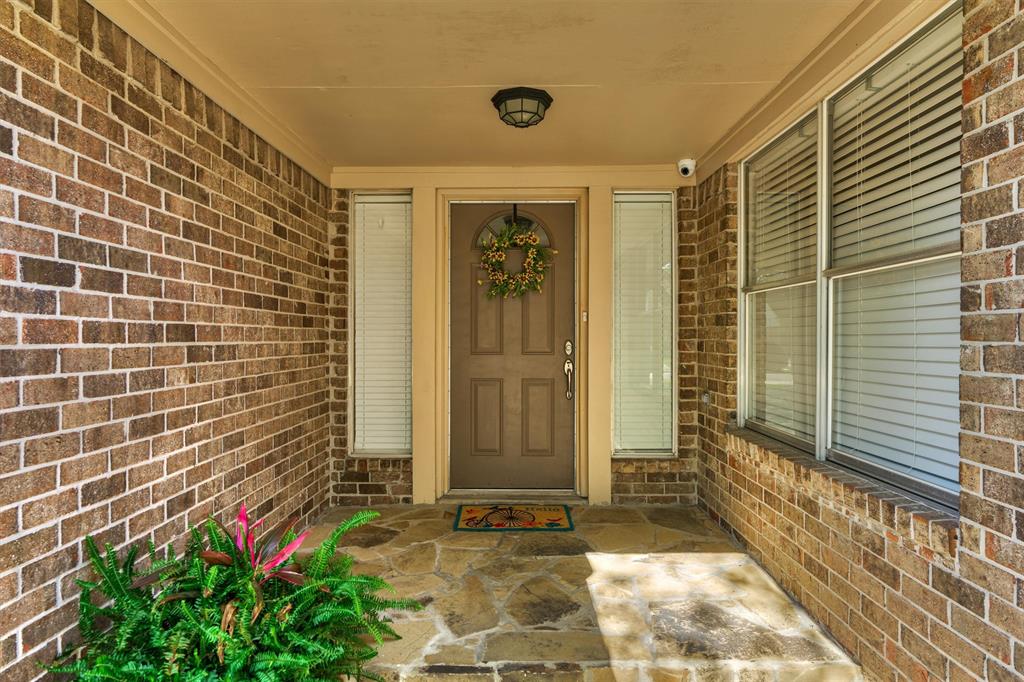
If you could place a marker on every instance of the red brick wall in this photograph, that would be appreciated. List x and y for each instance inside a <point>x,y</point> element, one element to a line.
<point>673,481</point>
<point>164,293</point>
<point>913,593</point>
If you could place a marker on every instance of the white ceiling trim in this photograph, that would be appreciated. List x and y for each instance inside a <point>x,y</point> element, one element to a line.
<point>149,27</point>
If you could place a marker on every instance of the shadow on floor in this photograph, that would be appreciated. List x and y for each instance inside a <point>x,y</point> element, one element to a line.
<point>633,594</point>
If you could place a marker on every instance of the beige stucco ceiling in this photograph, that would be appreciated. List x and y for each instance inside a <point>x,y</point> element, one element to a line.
<point>408,82</point>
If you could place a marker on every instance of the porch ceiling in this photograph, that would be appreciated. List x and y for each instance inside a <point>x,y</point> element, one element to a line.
<point>408,82</point>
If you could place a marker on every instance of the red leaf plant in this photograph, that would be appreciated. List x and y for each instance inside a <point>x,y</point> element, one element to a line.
<point>266,558</point>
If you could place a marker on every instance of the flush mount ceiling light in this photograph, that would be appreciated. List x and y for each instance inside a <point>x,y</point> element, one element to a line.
<point>521,107</point>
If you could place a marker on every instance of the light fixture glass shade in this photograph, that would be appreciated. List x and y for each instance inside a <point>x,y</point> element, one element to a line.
<point>521,107</point>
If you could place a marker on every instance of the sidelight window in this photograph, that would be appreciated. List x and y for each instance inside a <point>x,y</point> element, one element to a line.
<point>643,324</point>
<point>382,324</point>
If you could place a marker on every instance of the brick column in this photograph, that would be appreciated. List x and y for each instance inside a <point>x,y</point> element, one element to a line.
<point>338,238</point>
<point>716,314</point>
<point>992,329</point>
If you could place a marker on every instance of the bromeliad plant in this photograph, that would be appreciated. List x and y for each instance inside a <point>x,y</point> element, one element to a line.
<point>231,608</point>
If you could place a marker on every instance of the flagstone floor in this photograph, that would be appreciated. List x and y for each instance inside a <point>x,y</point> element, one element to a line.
<point>633,594</point>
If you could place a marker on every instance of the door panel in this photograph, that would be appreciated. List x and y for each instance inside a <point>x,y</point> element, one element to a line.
<point>539,316</point>
<point>538,417</point>
<point>486,416</point>
<point>486,329</point>
<point>512,424</point>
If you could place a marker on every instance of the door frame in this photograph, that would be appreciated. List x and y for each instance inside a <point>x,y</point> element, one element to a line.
<point>447,197</point>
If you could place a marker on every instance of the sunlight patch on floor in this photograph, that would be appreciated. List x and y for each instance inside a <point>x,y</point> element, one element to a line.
<point>687,615</point>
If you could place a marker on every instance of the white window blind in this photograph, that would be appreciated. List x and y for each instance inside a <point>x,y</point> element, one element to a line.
<point>781,222</point>
<point>644,313</point>
<point>782,208</point>
<point>896,152</point>
<point>896,366</point>
<point>782,366</point>
<point>382,324</point>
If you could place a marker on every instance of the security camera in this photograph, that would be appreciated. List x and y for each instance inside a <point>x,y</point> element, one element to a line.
<point>686,167</point>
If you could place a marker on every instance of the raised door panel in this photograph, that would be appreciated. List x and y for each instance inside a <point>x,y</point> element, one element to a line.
<point>485,318</point>
<point>486,412</point>
<point>538,396</point>
<point>538,326</point>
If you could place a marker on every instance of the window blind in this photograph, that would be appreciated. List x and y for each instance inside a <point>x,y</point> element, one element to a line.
<point>382,324</point>
<point>643,324</point>
<point>895,142</point>
<point>782,208</point>
<point>782,361</point>
<point>896,365</point>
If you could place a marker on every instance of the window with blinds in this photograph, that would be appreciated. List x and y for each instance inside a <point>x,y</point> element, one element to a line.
<point>783,343</point>
<point>865,330</point>
<point>782,208</point>
<point>781,220</point>
<point>895,211</point>
<point>643,324</point>
<point>382,324</point>
<point>895,153</point>
<point>896,365</point>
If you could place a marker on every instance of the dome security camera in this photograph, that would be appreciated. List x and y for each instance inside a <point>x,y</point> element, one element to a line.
<point>686,167</point>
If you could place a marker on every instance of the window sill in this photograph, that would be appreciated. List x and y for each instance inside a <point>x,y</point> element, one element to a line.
<point>379,455</point>
<point>644,455</point>
<point>934,528</point>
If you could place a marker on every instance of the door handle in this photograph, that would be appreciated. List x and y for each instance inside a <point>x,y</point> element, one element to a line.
<point>567,368</point>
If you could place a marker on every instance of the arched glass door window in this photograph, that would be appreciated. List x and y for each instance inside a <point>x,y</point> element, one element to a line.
<point>498,223</point>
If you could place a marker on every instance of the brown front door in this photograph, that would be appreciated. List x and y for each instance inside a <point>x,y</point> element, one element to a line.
<point>512,405</point>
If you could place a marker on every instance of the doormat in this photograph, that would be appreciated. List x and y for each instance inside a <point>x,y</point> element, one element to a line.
<point>514,517</point>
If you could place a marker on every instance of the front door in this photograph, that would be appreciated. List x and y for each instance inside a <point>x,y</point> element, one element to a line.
<point>512,390</point>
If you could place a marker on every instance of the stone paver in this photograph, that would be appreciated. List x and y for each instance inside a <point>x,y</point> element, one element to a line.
<point>632,595</point>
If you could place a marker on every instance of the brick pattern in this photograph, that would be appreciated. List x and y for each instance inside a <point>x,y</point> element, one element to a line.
<point>164,306</point>
<point>338,225</point>
<point>716,312</point>
<point>650,480</point>
<point>913,593</point>
<point>673,481</point>
<point>992,326</point>
<point>373,481</point>
<point>887,575</point>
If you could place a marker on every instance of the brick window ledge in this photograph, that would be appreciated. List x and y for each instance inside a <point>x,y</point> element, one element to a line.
<point>901,516</point>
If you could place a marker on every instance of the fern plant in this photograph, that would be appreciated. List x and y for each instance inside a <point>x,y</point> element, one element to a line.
<point>231,608</point>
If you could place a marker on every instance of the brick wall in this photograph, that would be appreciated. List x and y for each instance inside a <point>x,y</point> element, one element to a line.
<point>913,593</point>
<point>992,327</point>
<point>373,481</point>
<point>673,481</point>
<point>163,313</point>
<point>716,313</point>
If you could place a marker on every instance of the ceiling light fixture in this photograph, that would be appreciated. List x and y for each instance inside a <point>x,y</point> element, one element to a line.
<point>521,107</point>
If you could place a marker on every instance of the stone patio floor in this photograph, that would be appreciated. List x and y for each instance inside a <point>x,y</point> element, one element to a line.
<point>633,594</point>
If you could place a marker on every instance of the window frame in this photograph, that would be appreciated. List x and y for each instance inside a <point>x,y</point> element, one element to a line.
<point>825,278</point>
<point>353,198</point>
<point>673,452</point>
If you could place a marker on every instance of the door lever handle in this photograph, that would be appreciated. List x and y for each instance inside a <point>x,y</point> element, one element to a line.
<point>567,368</point>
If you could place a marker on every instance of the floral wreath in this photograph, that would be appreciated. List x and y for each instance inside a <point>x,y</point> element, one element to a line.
<point>515,234</point>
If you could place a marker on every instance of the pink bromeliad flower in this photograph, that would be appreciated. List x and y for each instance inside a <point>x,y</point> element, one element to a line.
<point>263,561</point>
<point>264,555</point>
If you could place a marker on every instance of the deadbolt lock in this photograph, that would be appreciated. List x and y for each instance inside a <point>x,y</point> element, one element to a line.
<point>568,347</point>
